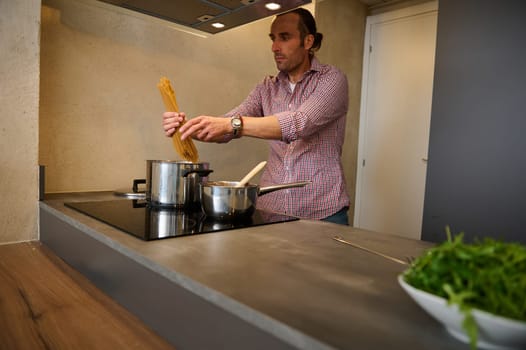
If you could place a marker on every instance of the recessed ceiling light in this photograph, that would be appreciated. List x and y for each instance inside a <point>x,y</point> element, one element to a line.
<point>272,6</point>
<point>218,25</point>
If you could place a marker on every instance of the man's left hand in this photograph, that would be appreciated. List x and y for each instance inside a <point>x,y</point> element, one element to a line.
<point>206,128</point>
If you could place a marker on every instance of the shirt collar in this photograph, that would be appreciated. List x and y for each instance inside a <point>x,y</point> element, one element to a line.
<point>315,66</point>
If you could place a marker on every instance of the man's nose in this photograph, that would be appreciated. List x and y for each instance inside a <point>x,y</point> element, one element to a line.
<point>275,46</point>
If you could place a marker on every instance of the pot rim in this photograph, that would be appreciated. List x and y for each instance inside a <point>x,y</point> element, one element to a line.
<point>227,184</point>
<point>174,161</point>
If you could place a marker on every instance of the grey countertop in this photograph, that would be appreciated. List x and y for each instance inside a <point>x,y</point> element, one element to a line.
<point>291,279</point>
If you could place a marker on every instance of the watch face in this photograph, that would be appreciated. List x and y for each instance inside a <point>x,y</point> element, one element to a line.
<point>236,122</point>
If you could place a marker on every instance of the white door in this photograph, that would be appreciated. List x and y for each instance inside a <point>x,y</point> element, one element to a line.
<point>394,120</point>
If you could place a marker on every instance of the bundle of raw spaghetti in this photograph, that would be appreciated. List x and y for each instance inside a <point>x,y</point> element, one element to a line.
<point>185,148</point>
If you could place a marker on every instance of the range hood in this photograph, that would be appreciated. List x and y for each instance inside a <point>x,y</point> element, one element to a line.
<point>211,16</point>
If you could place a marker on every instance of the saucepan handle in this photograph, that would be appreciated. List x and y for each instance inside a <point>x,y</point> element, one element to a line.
<point>201,173</point>
<point>272,188</point>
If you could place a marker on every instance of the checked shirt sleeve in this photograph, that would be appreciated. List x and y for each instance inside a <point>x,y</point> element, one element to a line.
<point>327,101</point>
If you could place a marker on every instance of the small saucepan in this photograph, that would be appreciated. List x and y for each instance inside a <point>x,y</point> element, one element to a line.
<point>226,200</point>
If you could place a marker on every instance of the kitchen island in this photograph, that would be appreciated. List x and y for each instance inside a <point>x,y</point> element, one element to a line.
<point>279,286</point>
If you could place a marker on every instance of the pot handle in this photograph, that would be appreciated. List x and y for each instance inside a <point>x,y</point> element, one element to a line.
<point>272,188</point>
<point>202,173</point>
<point>136,182</point>
<point>136,203</point>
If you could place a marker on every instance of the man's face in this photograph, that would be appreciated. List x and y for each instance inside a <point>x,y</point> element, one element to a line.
<point>289,53</point>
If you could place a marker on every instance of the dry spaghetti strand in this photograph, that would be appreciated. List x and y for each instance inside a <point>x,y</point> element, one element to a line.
<point>185,148</point>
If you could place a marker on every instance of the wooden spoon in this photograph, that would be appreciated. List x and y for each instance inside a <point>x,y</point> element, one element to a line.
<point>251,174</point>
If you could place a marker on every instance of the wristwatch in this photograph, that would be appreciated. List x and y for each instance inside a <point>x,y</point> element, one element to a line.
<point>237,125</point>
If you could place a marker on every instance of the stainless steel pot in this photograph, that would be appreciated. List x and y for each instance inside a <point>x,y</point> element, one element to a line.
<point>175,183</point>
<point>223,199</point>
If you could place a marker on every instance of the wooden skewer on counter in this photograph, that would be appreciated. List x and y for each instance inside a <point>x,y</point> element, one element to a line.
<point>185,148</point>
<point>339,239</point>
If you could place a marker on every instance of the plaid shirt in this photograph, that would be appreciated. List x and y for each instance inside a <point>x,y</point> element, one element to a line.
<point>312,121</point>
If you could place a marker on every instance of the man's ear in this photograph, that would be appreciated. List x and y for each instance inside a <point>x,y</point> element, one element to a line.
<point>308,41</point>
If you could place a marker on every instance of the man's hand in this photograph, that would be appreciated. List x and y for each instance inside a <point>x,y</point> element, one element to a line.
<point>206,128</point>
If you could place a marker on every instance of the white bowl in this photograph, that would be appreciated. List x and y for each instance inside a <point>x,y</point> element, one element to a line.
<point>494,332</point>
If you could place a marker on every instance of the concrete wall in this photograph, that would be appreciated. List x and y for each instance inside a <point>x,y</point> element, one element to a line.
<point>100,106</point>
<point>19,79</point>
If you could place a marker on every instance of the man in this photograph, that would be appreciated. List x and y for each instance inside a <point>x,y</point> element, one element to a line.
<point>302,112</point>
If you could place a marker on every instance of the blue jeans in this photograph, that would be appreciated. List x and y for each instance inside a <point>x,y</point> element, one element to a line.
<point>339,217</point>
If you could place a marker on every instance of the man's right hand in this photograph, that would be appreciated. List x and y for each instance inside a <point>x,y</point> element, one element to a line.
<point>172,121</point>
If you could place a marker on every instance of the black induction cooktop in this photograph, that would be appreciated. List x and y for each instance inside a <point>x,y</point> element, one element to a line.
<point>151,223</point>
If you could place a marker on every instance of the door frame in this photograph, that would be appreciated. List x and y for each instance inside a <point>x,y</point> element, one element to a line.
<point>414,10</point>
